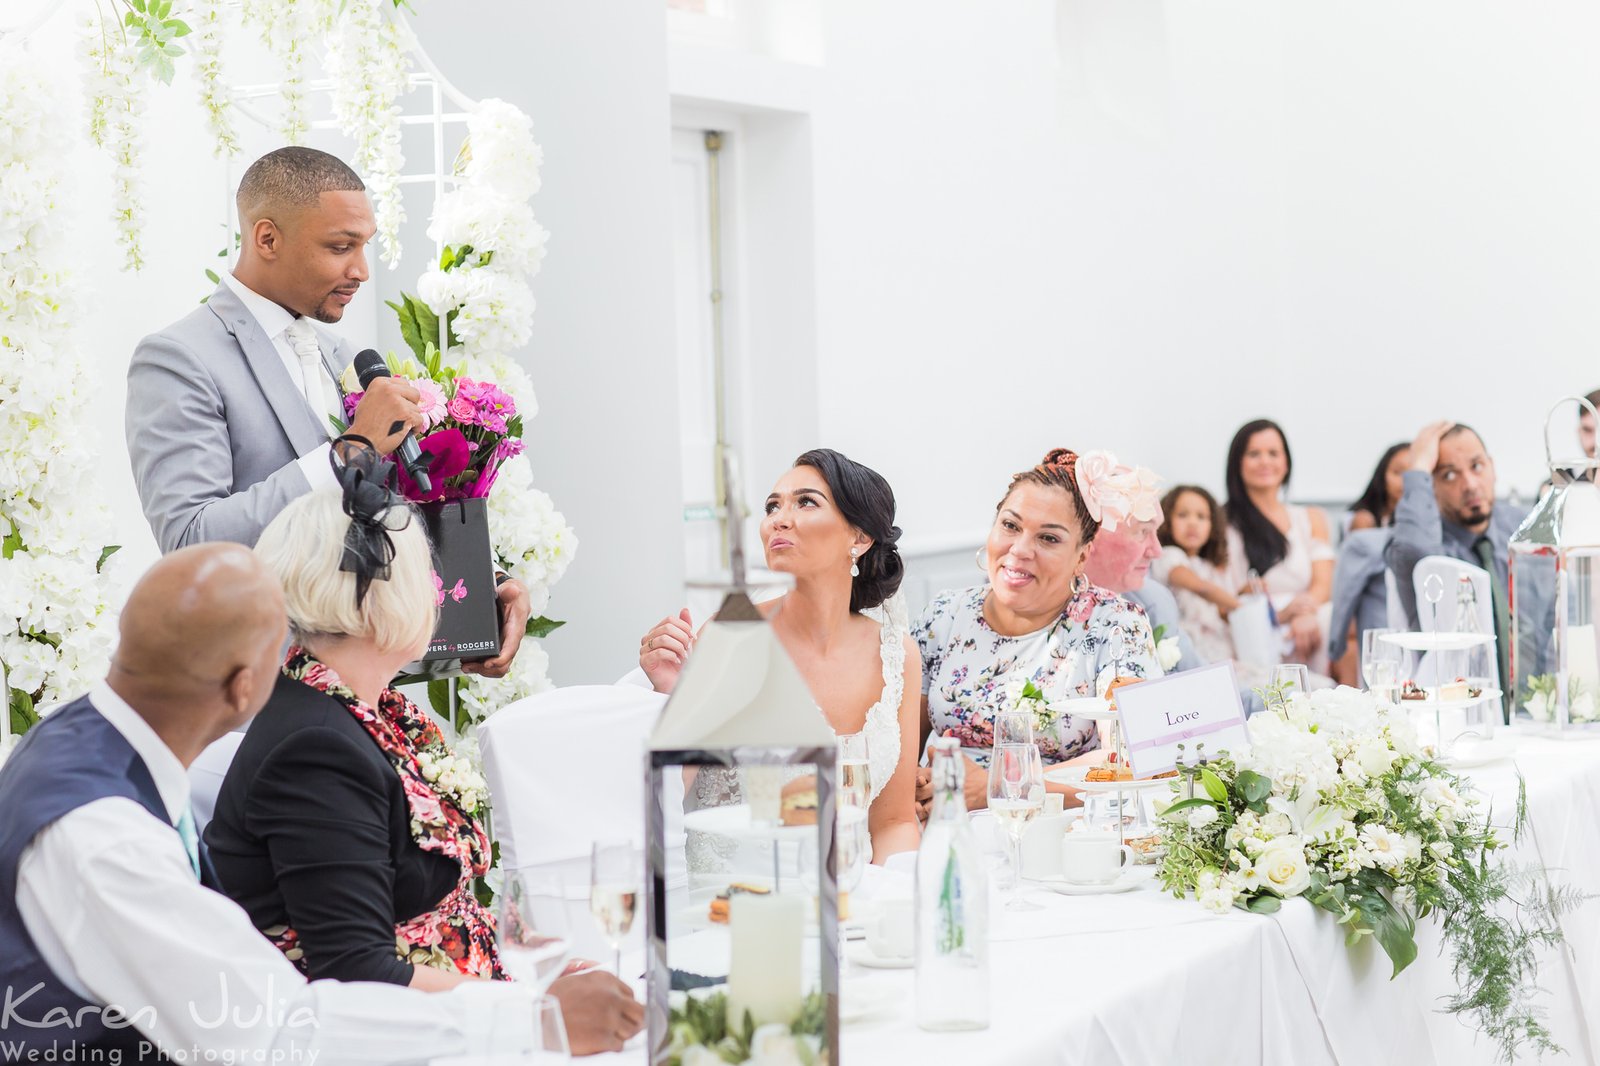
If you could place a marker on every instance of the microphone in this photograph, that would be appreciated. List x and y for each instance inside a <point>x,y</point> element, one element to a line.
<point>369,367</point>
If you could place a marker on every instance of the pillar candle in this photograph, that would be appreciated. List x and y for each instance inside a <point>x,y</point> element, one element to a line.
<point>1582,662</point>
<point>764,973</point>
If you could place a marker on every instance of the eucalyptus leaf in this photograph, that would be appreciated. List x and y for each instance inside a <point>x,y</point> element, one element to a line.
<point>1264,904</point>
<point>1253,787</point>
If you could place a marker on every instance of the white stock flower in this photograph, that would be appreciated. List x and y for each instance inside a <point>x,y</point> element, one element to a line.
<point>1202,816</point>
<point>1217,899</point>
<point>1374,755</point>
<point>502,154</point>
<point>1168,653</point>
<point>1283,867</point>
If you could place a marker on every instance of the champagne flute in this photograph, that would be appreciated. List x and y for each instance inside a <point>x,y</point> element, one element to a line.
<point>532,926</point>
<point>614,892</point>
<point>855,769</point>
<point>1374,649</point>
<point>1016,796</point>
<point>1383,677</point>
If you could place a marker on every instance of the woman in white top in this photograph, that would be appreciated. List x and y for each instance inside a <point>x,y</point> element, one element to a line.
<point>830,523</point>
<point>1285,544</point>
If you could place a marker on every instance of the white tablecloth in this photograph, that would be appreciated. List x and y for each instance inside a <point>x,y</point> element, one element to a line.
<point>1141,978</point>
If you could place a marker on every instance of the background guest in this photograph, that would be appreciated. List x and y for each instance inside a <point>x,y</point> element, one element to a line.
<point>1121,560</point>
<point>1448,508</point>
<point>109,894</point>
<point>830,524</point>
<point>1285,544</point>
<point>1376,505</point>
<point>1193,564</point>
<point>1037,617</point>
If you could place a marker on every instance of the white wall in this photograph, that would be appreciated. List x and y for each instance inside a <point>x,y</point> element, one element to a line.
<point>1126,224</point>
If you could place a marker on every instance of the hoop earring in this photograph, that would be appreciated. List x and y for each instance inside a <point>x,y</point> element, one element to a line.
<point>1079,583</point>
<point>855,571</point>
<point>983,559</point>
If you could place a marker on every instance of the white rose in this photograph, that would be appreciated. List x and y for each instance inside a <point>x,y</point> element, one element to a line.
<point>1539,705</point>
<point>1168,653</point>
<point>774,1045</point>
<point>1276,823</point>
<point>700,1055</point>
<point>1200,817</point>
<point>1282,864</point>
<point>1374,756</point>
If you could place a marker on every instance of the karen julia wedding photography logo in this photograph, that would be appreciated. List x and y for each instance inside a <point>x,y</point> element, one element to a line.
<point>31,1032</point>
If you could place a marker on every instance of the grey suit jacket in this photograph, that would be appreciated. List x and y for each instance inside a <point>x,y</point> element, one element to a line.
<point>215,424</point>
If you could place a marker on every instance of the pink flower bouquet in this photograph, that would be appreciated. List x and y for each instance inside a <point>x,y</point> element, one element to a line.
<point>471,428</point>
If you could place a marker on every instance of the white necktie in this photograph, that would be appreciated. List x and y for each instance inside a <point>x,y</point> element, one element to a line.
<point>303,339</point>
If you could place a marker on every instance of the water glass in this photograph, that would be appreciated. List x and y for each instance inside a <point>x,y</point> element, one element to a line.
<point>532,927</point>
<point>1375,649</point>
<point>1291,679</point>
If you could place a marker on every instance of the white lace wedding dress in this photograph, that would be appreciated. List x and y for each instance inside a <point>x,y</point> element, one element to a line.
<point>719,787</point>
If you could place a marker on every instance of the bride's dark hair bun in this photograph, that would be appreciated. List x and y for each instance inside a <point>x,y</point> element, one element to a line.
<point>867,502</point>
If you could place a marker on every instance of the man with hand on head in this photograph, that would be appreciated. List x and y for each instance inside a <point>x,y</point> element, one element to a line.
<point>228,409</point>
<point>106,892</point>
<point>1448,508</point>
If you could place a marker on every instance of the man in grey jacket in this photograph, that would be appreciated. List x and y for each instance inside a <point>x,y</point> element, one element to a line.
<point>228,412</point>
<point>1448,508</point>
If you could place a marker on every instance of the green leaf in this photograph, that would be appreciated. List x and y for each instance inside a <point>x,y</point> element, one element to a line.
<point>137,5</point>
<point>439,697</point>
<point>179,28</point>
<point>1213,785</point>
<point>211,276</point>
<point>1264,904</point>
<point>1396,933</point>
<point>339,427</point>
<point>541,627</point>
<point>132,22</point>
<point>1253,787</point>
<point>11,544</point>
<point>23,715</point>
<point>1187,804</point>
<point>105,553</point>
<point>417,323</point>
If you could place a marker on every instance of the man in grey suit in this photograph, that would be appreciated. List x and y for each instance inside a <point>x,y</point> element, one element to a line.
<point>1448,508</point>
<point>228,409</point>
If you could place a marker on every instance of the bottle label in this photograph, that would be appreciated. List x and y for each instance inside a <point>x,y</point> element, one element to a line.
<point>951,936</point>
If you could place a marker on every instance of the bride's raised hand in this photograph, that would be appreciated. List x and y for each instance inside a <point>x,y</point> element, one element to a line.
<point>665,649</point>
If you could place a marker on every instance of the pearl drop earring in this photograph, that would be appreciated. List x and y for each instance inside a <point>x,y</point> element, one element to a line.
<point>855,571</point>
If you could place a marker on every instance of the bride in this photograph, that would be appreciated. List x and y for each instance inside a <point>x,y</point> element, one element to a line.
<point>830,523</point>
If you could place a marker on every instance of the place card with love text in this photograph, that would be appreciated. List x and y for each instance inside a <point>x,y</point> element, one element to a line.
<point>1195,706</point>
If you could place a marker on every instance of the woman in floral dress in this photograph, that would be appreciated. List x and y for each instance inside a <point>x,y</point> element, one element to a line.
<point>1037,618</point>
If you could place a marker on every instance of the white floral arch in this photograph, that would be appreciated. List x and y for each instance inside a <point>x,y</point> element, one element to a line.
<point>57,595</point>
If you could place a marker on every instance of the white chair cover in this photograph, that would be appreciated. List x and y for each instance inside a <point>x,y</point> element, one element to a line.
<point>206,774</point>
<point>567,767</point>
<point>1450,571</point>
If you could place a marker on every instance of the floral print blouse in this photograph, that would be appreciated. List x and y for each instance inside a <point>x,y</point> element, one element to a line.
<point>966,664</point>
<point>444,797</point>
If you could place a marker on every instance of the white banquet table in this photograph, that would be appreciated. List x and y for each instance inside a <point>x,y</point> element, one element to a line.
<point>1141,978</point>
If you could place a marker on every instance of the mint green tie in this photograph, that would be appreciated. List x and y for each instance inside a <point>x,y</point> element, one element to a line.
<point>1502,623</point>
<point>191,839</point>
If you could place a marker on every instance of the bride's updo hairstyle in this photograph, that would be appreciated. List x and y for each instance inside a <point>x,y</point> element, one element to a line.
<point>867,503</point>
<point>1058,469</point>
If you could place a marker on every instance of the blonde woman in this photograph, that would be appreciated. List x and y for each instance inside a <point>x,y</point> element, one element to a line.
<point>330,829</point>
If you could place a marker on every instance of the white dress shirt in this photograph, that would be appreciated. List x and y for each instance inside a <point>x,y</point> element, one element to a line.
<point>110,900</point>
<point>274,322</point>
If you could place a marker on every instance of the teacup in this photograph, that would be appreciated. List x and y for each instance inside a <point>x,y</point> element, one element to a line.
<point>1091,858</point>
<point>892,935</point>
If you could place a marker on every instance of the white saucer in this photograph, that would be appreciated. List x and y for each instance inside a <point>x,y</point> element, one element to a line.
<point>863,999</point>
<point>1124,883</point>
<point>862,955</point>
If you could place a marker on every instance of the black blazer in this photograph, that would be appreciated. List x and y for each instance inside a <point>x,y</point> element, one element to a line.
<point>312,831</point>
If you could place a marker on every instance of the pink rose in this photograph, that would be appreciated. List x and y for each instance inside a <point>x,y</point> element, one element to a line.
<point>463,410</point>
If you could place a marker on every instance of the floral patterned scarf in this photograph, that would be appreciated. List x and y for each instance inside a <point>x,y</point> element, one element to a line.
<point>458,933</point>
